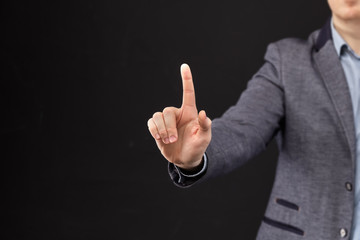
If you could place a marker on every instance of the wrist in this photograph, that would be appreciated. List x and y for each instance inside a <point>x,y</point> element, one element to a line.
<point>194,168</point>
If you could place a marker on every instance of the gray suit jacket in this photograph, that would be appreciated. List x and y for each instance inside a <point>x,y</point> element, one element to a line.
<point>301,97</point>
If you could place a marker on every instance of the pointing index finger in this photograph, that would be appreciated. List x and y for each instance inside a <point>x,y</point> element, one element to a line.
<point>188,86</point>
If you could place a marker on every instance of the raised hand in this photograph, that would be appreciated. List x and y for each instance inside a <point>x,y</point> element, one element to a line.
<point>182,134</point>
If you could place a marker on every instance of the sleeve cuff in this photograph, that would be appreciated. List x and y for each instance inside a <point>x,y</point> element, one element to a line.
<point>183,179</point>
<point>181,172</point>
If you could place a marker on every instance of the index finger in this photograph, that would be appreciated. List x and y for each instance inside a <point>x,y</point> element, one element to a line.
<point>188,86</point>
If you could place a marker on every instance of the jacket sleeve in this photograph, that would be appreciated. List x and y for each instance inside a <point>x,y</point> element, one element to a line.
<point>246,128</point>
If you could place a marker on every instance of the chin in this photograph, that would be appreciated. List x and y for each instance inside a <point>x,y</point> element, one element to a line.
<point>345,9</point>
<point>349,13</point>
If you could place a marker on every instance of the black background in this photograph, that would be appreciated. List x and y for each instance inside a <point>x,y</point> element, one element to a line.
<point>79,81</point>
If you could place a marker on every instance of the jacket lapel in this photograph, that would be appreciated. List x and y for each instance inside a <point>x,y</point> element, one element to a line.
<point>334,79</point>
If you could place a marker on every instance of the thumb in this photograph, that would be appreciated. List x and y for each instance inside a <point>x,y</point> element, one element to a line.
<point>204,122</point>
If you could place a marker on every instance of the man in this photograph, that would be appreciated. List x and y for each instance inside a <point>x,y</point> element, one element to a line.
<point>307,95</point>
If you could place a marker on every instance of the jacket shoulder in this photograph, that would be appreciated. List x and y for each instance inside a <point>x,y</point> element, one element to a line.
<point>298,43</point>
<point>292,50</point>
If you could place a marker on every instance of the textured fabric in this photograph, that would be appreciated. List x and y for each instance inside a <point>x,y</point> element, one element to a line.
<point>351,65</point>
<point>183,179</point>
<point>299,96</point>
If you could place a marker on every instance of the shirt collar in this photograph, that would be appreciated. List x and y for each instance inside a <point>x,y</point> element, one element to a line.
<point>339,42</point>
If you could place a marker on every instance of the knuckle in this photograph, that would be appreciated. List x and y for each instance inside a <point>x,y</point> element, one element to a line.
<point>168,110</point>
<point>157,115</point>
<point>188,91</point>
<point>151,128</point>
<point>163,132</point>
<point>172,131</point>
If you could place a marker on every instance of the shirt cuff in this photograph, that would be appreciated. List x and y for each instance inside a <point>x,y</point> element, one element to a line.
<point>181,172</point>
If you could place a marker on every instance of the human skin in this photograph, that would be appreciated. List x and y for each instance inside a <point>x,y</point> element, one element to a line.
<point>346,19</point>
<point>182,134</point>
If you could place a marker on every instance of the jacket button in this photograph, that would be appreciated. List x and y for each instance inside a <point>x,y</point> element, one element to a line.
<point>343,232</point>
<point>348,186</point>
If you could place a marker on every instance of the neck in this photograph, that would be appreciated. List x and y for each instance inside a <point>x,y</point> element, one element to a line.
<point>349,31</point>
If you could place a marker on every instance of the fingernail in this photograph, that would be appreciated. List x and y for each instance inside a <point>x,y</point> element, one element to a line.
<point>172,139</point>
<point>166,140</point>
<point>157,136</point>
